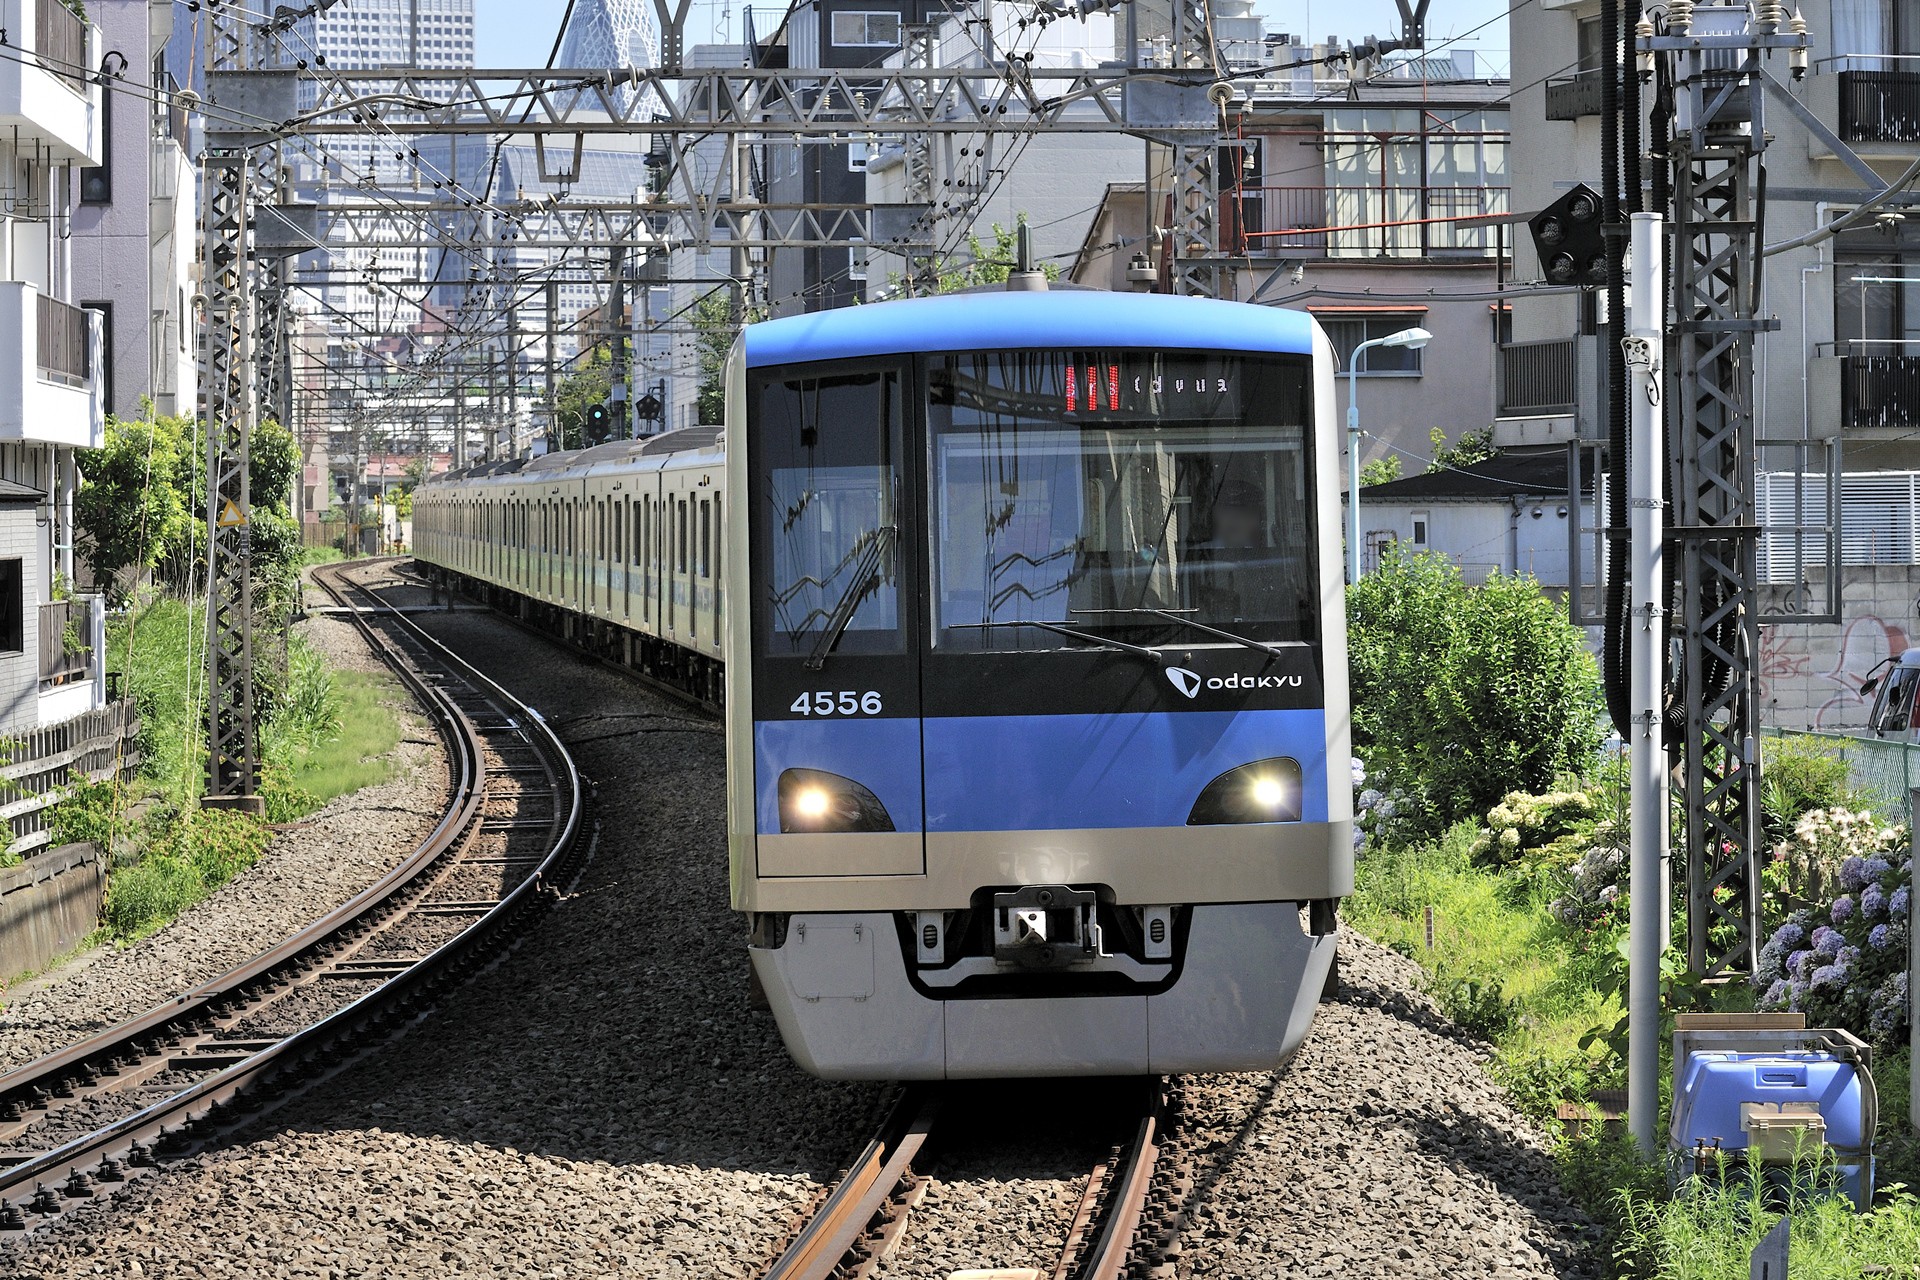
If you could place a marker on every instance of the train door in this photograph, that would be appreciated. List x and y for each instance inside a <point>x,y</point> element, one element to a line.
<point>704,591</point>
<point>617,557</point>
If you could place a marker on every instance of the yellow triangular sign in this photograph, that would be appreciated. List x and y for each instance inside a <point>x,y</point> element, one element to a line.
<point>231,516</point>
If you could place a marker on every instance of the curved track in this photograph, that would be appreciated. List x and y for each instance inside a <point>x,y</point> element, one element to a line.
<point>1122,1226</point>
<point>77,1122</point>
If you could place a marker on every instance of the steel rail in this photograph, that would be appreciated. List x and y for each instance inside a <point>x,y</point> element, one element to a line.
<point>208,1103</point>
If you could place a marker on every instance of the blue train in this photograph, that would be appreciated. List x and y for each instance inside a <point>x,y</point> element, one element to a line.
<point>1034,668</point>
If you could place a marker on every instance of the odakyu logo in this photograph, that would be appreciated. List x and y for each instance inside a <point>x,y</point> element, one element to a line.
<point>1192,682</point>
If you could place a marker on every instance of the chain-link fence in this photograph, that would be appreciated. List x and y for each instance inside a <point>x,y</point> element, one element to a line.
<point>1884,769</point>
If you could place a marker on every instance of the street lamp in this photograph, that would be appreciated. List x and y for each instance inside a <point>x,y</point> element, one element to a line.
<point>1413,340</point>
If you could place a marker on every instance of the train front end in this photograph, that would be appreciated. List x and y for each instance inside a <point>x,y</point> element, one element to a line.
<point>1038,746</point>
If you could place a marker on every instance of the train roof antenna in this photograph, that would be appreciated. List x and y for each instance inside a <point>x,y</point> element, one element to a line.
<point>1025,276</point>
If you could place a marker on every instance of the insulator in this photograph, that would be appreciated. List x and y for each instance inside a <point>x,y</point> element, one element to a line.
<point>1680,17</point>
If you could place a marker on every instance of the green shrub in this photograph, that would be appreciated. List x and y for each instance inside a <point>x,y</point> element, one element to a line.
<point>1462,695</point>
<point>1799,774</point>
<point>188,856</point>
<point>1479,1008</point>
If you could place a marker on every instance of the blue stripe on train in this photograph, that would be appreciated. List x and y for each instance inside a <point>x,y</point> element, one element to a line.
<point>1042,773</point>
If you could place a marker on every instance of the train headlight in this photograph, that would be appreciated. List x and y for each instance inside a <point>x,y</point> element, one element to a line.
<point>813,800</point>
<point>1264,791</point>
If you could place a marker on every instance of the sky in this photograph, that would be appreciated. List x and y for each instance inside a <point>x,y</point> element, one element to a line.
<point>518,33</point>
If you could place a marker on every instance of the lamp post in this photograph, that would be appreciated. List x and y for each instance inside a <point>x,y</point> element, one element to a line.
<point>1412,339</point>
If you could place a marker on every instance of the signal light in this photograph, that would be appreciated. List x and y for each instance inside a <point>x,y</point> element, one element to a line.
<point>599,424</point>
<point>1568,239</point>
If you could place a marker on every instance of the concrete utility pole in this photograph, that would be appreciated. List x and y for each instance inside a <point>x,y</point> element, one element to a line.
<point>1645,343</point>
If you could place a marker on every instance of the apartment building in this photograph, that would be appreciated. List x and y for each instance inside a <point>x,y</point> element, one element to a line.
<point>1841,368</point>
<point>1371,195</point>
<point>133,241</point>
<point>51,398</point>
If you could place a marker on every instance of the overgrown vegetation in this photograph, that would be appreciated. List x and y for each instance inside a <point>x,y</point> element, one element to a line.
<point>1461,695</point>
<point>1516,905</point>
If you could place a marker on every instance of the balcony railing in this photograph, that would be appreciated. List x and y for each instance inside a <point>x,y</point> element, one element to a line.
<point>1880,106</point>
<point>1537,377</point>
<point>60,41</point>
<point>66,640</point>
<point>1880,391</point>
<point>65,345</point>
<point>1573,98</point>
<point>1364,221</point>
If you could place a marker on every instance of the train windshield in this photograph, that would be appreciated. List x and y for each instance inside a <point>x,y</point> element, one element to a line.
<point>829,453</point>
<point>1120,494</point>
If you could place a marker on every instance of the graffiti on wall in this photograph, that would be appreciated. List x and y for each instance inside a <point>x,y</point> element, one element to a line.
<point>1788,655</point>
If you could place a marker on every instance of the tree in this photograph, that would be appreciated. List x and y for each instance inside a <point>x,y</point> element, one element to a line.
<point>273,466</point>
<point>713,332</point>
<point>589,384</point>
<point>1462,694</point>
<point>980,267</point>
<point>130,508</point>
<point>1474,446</point>
<point>1380,471</point>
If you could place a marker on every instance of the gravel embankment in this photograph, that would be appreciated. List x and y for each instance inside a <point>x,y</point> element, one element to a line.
<point>305,872</point>
<point>603,1102</point>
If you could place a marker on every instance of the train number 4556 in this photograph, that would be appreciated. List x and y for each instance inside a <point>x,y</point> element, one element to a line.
<point>845,702</point>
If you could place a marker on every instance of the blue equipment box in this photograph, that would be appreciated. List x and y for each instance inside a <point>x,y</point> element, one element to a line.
<point>1780,1092</point>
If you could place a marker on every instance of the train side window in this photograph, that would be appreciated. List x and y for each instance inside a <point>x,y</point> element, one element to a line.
<point>680,557</point>
<point>706,538</point>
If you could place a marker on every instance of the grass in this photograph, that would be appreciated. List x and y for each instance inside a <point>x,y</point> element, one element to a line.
<point>1497,958</point>
<point>358,755</point>
<point>330,734</point>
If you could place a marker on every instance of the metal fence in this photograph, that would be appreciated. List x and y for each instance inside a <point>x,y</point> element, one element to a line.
<point>1880,391</point>
<point>43,763</point>
<point>1885,770</point>
<point>1880,106</point>
<point>1537,377</point>
<point>66,639</point>
<point>60,40</point>
<point>65,346</point>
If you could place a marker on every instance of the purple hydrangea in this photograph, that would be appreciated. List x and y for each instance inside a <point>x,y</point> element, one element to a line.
<point>1875,868</point>
<point>1842,909</point>
<point>1853,874</point>
<point>1897,905</point>
<point>1796,991</point>
<point>1827,975</point>
<point>1776,994</point>
<point>1797,963</point>
<point>1873,902</point>
<point>1828,941</point>
<point>1789,935</point>
<point>1880,937</point>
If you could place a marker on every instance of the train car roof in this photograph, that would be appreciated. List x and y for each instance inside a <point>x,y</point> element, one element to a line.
<point>615,454</point>
<point>1013,319</point>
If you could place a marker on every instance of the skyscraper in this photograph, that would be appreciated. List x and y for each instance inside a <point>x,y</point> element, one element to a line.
<point>610,33</point>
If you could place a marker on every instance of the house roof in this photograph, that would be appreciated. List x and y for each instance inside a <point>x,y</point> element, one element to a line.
<point>1513,473</point>
<point>11,492</point>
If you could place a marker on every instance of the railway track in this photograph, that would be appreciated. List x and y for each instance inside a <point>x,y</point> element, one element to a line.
<point>78,1122</point>
<point>1124,1225</point>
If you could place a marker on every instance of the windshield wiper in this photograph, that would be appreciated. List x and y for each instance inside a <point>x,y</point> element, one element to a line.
<point>1258,646</point>
<point>1085,637</point>
<point>866,580</point>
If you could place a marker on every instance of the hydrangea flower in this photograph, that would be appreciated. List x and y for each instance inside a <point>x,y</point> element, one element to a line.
<point>1790,934</point>
<point>1875,868</point>
<point>1873,902</point>
<point>1827,975</point>
<point>1897,905</point>
<point>1880,937</point>
<point>1828,941</point>
<point>1797,963</point>
<point>1359,772</point>
<point>1853,874</point>
<point>1842,909</point>
<point>1776,994</point>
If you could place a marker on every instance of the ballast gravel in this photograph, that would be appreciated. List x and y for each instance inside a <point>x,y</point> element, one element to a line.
<point>306,872</point>
<point>604,1102</point>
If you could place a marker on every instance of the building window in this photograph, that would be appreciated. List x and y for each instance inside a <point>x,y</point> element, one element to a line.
<point>866,29</point>
<point>106,346</point>
<point>857,259</point>
<point>13,606</point>
<point>1419,539</point>
<point>96,181</point>
<point>1346,332</point>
